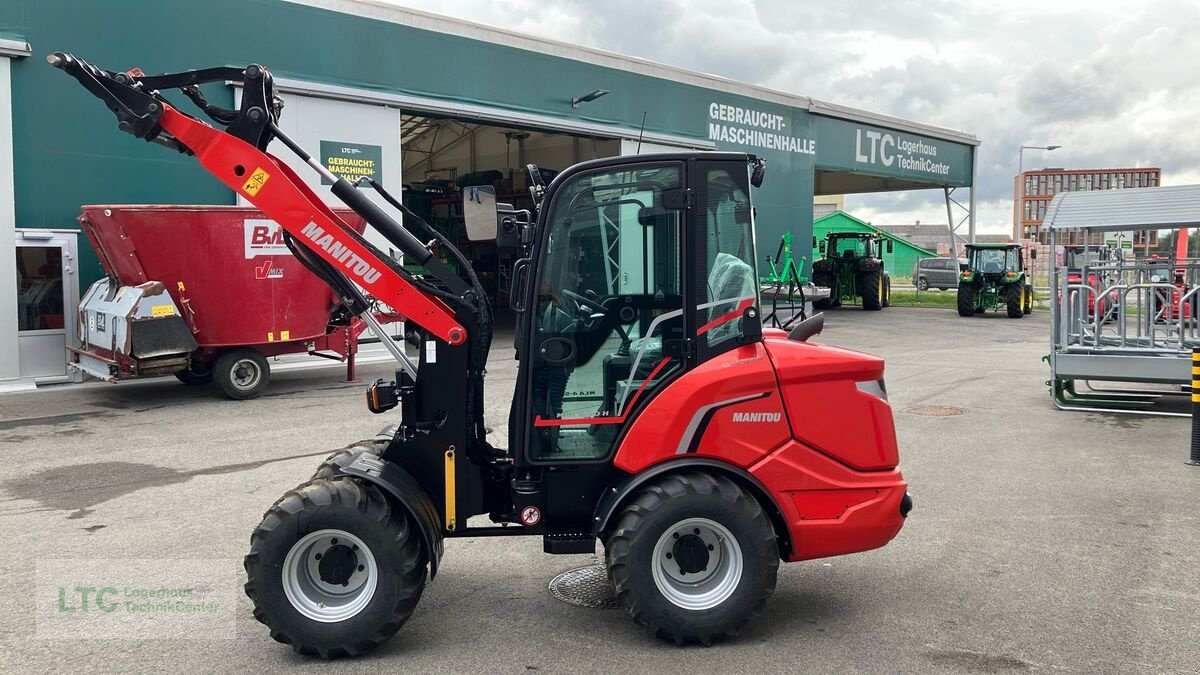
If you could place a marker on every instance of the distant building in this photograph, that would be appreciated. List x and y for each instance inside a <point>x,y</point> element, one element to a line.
<point>937,237</point>
<point>1033,190</point>
<point>824,205</point>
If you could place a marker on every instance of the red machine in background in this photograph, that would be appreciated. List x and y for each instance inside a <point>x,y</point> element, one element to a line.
<point>214,315</point>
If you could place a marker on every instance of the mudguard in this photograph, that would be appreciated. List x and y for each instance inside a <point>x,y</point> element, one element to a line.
<point>398,483</point>
<point>616,493</point>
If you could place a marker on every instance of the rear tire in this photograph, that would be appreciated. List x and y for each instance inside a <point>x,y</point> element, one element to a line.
<point>701,525</point>
<point>355,600</point>
<point>242,373</point>
<point>966,300</point>
<point>887,291</point>
<point>1015,297</point>
<point>823,303</point>
<point>1028,300</point>
<point>871,284</point>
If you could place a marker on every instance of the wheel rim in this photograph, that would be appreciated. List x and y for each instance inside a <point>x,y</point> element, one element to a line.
<point>329,575</point>
<point>697,564</point>
<point>245,374</point>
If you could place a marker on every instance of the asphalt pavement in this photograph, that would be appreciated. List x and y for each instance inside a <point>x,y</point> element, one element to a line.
<point>1041,540</point>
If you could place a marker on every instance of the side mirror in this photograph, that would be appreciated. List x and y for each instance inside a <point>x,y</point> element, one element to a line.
<point>479,212</point>
<point>1033,254</point>
<point>889,245</point>
<point>758,172</point>
<point>821,248</point>
<point>814,242</point>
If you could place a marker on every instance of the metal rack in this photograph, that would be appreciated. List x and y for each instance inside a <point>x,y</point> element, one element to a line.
<point>1130,320</point>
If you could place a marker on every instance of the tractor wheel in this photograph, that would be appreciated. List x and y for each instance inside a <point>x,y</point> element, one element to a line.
<point>966,300</point>
<point>196,374</point>
<point>887,291</point>
<point>693,558</point>
<point>339,458</point>
<point>823,303</point>
<point>922,284</point>
<point>242,373</point>
<point>1028,308</point>
<point>333,569</point>
<point>1015,299</point>
<point>871,284</point>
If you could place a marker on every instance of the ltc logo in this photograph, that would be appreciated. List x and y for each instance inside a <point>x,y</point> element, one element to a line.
<point>263,238</point>
<point>78,600</point>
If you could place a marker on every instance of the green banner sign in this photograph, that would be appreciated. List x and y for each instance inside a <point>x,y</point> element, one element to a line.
<point>851,146</point>
<point>352,160</point>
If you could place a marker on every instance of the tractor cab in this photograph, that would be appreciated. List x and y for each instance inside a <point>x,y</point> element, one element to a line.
<point>993,261</point>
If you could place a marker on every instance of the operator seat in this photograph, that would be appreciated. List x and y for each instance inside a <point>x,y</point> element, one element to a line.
<point>731,280</point>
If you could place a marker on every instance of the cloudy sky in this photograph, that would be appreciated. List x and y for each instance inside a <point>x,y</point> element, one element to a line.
<point>1115,83</point>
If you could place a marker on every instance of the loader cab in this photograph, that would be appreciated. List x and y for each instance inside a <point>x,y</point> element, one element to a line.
<point>640,270</point>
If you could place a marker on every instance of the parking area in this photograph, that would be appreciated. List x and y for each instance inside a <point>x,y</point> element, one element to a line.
<point>1041,540</point>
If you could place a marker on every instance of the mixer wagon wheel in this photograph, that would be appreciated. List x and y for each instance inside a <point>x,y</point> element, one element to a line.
<point>241,373</point>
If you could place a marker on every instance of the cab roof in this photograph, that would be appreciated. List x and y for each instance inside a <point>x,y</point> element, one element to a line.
<point>990,245</point>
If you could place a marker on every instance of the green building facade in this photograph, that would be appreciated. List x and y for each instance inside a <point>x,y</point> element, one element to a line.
<point>65,150</point>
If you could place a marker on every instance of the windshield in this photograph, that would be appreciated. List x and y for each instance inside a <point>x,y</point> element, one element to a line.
<point>994,260</point>
<point>850,247</point>
<point>1077,258</point>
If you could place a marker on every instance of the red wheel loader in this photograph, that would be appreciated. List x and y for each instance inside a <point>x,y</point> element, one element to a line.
<point>652,410</point>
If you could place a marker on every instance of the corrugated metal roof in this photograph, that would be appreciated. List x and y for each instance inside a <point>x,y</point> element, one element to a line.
<point>1141,208</point>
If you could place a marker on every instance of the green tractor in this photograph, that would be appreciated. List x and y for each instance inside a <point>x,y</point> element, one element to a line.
<point>851,266</point>
<point>993,279</point>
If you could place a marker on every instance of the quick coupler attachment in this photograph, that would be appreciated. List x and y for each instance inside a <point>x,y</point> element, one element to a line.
<point>382,396</point>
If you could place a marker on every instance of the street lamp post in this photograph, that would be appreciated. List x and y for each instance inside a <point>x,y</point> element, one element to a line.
<point>1021,177</point>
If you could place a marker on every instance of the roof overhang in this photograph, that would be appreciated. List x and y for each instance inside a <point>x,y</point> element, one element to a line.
<point>830,182</point>
<point>388,12</point>
<point>478,113</point>
<point>1128,209</point>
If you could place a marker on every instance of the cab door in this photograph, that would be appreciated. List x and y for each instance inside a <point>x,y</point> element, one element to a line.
<point>605,327</point>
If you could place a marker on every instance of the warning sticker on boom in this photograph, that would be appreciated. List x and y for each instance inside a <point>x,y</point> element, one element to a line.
<point>258,178</point>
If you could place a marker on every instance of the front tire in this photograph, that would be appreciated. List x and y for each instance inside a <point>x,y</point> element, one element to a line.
<point>966,300</point>
<point>340,458</point>
<point>242,373</point>
<point>333,570</point>
<point>693,558</point>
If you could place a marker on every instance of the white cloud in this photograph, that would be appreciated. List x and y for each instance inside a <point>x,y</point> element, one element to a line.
<point>1112,82</point>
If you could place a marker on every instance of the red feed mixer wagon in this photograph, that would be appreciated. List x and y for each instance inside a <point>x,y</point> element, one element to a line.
<point>163,309</point>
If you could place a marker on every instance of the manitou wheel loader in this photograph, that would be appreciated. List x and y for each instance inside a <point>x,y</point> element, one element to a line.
<point>652,411</point>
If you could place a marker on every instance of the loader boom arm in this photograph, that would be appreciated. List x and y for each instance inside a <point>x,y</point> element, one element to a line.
<point>237,157</point>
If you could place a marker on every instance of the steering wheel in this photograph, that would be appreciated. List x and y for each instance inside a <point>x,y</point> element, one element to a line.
<point>585,301</point>
<point>590,321</point>
<point>588,318</point>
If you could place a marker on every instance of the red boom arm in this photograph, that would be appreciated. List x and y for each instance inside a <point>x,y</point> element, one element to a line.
<point>275,189</point>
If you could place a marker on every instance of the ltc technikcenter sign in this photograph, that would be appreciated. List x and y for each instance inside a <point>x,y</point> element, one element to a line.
<point>912,154</point>
<point>850,146</point>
